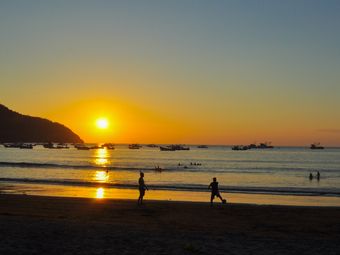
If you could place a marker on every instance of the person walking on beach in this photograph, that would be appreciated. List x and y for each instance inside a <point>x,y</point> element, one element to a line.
<point>215,192</point>
<point>318,176</point>
<point>142,188</point>
<point>310,176</point>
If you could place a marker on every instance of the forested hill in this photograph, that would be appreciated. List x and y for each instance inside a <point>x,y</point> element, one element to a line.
<point>16,127</point>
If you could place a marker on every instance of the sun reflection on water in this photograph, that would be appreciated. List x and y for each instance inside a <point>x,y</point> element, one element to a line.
<point>101,157</point>
<point>101,176</point>
<point>100,193</point>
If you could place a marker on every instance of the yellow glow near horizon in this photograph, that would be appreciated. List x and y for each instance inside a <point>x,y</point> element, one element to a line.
<point>102,123</point>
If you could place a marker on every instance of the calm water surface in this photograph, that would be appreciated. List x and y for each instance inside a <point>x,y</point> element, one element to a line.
<point>271,171</point>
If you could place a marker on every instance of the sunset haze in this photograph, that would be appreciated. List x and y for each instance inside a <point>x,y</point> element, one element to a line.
<point>193,72</point>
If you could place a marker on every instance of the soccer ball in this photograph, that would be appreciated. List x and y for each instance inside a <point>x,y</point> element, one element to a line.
<point>224,201</point>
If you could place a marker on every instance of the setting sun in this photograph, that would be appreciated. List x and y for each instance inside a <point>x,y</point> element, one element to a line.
<point>102,123</point>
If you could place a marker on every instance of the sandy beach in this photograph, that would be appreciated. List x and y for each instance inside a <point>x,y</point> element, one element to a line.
<point>56,225</point>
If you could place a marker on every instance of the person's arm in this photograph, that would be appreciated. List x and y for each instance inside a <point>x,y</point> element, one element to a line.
<point>209,187</point>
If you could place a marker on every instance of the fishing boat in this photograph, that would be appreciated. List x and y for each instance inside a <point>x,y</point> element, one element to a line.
<point>49,145</point>
<point>166,148</point>
<point>109,146</point>
<point>83,148</point>
<point>252,146</point>
<point>174,147</point>
<point>12,145</point>
<point>239,148</point>
<point>152,145</point>
<point>62,146</point>
<point>316,146</point>
<point>266,145</point>
<point>134,146</point>
<point>26,146</point>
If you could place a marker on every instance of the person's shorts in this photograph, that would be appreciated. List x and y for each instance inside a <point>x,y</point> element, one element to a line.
<point>142,192</point>
<point>213,194</point>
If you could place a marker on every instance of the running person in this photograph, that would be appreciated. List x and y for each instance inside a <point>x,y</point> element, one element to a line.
<point>215,191</point>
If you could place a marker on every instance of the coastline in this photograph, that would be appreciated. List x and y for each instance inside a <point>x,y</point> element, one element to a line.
<point>60,225</point>
<point>102,192</point>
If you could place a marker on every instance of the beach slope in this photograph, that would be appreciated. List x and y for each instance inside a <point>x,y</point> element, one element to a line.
<point>52,225</point>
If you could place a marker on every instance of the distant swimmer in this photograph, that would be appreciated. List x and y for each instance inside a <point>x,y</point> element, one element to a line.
<point>158,169</point>
<point>215,192</point>
<point>142,188</point>
<point>310,176</point>
<point>318,176</point>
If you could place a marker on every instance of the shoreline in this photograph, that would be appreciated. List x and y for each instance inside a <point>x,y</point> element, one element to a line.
<point>101,192</point>
<point>106,226</point>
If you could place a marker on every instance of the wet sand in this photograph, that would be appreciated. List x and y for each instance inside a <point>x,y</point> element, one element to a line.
<point>55,225</point>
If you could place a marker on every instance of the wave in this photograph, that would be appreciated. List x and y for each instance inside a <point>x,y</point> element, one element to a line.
<point>184,187</point>
<point>52,165</point>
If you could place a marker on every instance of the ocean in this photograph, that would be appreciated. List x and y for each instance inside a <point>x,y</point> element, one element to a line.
<point>278,172</point>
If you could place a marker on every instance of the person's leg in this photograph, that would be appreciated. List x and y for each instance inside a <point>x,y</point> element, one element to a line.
<point>142,196</point>
<point>219,195</point>
<point>212,199</point>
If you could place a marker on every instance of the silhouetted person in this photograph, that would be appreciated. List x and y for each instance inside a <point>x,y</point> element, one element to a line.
<point>310,176</point>
<point>142,188</point>
<point>318,176</point>
<point>215,191</point>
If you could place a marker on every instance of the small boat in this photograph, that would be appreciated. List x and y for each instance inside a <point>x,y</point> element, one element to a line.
<point>174,147</point>
<point>167,148</point>
<point>83,148</point>
<point>49,145</point>
<point>95,147</point>
<point>316,146</point>
<point>252,146</point>
<point>12,145</point>
<point>62,146</point>
<point>109,146</point>
<point>239,148</point>
<point>134,146</point>
<point>178,147</point>
<point>152,145</point>
<point>202,146</point>
<point>26,146</point>
<point>264,146</point>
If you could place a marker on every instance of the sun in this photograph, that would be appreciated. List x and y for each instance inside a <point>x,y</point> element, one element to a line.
<point>102,123</point>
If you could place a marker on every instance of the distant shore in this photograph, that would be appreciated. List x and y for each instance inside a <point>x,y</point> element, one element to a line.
<point>55,225</point>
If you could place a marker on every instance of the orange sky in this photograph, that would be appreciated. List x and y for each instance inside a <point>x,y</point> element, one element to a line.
<point>140,123</point>
<point>232,72</point>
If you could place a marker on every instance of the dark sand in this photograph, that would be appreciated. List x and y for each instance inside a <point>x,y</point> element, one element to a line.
<point>52,225</point>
